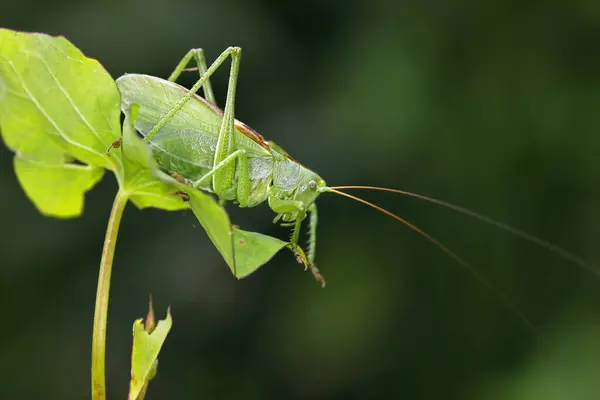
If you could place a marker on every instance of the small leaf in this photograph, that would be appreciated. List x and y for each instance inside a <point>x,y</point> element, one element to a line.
<point>215,221</point>
<point>243,251</point>
<point>140,178</point>
<point>253,250</point>
<point>144,356</point>
<point>56,189</point>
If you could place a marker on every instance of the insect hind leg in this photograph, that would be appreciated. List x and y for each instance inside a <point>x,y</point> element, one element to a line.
<point>230,51</point>
<point>312,233</point>
<point>198,56</point>
<point>223,180</point>
<point>301,258</point>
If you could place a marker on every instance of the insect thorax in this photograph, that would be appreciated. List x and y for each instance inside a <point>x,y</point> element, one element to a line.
<point>292,182</point>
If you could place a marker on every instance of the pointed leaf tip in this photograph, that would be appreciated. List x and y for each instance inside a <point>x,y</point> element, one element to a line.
<point>144,356</point>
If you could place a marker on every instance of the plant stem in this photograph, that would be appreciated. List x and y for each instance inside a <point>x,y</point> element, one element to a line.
<point>100,313</point>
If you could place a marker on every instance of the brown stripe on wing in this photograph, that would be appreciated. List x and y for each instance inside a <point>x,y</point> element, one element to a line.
<point>251,134</point>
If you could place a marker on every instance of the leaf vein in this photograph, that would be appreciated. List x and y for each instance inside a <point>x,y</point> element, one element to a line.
<point>62,89</point>
<point>43,111</point>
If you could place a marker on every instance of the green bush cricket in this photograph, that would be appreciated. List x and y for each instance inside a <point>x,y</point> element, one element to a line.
<point>207,148</point>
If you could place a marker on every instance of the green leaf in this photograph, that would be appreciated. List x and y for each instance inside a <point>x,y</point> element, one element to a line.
<point>144,356</point>
<point>56,106</point>
<point>253,250</point>
<point>215,221</point>
<point>57,189</point>
<point>243,251</point>
<point>145,185</point>
<point>48,85</point>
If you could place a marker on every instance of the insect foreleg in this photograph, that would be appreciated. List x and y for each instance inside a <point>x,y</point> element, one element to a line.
<point>233,51</point>
<point>281,206</point>
<point>311,249</point>
<point>198,56</point>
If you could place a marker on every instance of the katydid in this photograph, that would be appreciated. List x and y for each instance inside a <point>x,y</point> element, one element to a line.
<point>197,142</point>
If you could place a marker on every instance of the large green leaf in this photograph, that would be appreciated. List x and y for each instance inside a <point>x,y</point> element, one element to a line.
<point>56,106</point>
<point>49,86</point>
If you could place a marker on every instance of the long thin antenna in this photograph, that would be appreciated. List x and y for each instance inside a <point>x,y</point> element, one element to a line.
<point>523,235</point>
<point>507,303</point>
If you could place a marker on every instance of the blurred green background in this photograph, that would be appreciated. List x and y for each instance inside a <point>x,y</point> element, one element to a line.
<point>492,105</point>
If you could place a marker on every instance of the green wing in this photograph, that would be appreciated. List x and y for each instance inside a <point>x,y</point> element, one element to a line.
<point>187,142</point>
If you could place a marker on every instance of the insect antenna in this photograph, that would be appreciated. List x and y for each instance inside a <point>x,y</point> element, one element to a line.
<point>505,227</point>
<point>507,303</point>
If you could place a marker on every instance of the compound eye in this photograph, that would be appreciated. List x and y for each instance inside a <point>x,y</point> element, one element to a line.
<point>312,184</point>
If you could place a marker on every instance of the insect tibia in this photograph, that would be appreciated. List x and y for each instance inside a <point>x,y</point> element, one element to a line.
<point>312,233</point>
<point>318,277</point>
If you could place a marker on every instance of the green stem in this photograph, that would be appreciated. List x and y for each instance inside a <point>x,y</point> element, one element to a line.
<point>143,391</point>
<point>100,313</point>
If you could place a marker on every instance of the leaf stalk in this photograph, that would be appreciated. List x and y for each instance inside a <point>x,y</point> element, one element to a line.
<point>102,293</point>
